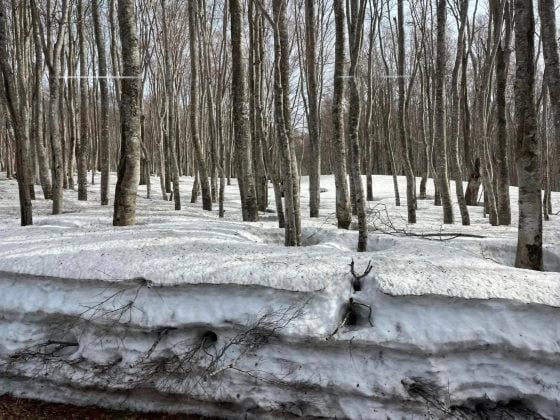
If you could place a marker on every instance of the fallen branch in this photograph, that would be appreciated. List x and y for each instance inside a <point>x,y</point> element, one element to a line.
<point>357,281</point>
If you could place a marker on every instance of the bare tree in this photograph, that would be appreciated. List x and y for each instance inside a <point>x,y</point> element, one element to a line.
<point>104,94</point>
<point>129,162</point>
<point>501,70</point>
<point>529,241</point>
<point>549,33</point>
<point>356,28</point>
<point>440,121</point>
<point>313,111</point>
<point>37,112</point>
<point>455,107</point>
<point>170,95</point>
<point>343,208</point>
<point>405,144</point>
<point>52,58</point>
<point>83,142</point>
<point>242,133</point>
<point>194,105</point>
<point>9,94</point>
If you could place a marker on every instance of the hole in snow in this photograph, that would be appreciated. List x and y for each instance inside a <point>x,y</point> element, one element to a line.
<point>351,316</point>
<point>356,314</point>
<point>208,338</point>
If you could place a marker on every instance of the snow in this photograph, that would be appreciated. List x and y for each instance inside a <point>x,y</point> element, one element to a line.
<point>452,313</point>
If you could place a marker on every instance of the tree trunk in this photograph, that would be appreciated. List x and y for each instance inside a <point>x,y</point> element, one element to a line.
<point>529,241</point>
<point>194,103</point>
<point>10,98</point>
<point>104,93</point>
<point>410,179</point>
<point>440,121</point>
<point>83,142</point>
<point>129,162</point>
<point>37,127</point>
<point>343,205</point>
<point>313,112</point>
<point>357,14</point>
<point>454,127</point>
<point>170,94</point>
<point>552,66</point>
<point>282,117</point>
<point>502,162</point>
<point>242,131</point>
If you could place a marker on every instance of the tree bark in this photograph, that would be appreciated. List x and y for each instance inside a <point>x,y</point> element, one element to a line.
<point>547,14</point>
<point>83,142</point>
<point>128,174</point>
<point>10,98</point>
<point>454,127</point>
<point>104,94</point>
<point>357,14</point>
<point>170,94</point>
<point>37,126</point>
<point>440,121</point>
<point>529,241</point>
<point>410,179</point>
<point>242,131</point>
<point>343,205</point>
<point>313,112</point>
<point>194,103</point>
<point>502,162</point>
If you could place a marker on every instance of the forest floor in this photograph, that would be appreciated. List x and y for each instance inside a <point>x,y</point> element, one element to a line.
<point>443,320</point>
<point>24,409</point>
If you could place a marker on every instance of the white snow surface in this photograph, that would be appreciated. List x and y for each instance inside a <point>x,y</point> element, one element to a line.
<point>186,312</point>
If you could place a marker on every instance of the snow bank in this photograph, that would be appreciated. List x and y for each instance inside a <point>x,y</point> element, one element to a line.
<point>189,313</point>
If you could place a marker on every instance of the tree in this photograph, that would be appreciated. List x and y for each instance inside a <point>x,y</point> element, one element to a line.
<point>37,111</point>
<point>170,122</point>
<point>440,120</point>
<point>547,14</point>
<point>104,94</point>
<point>405,144</point>
<point>128,174</point>
<point>455,107</point>
<point>242,131</point>
<point>529,240</point>
<point>8,91</point>
<point>83,142</point>
<point>313,111</point>
<point>356,29</point>
<point>343,210</point>
<point>52,58</point>
<point>194,104</point>
<point>501,70</point>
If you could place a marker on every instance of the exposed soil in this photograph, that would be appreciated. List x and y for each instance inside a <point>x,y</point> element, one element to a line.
<point>23,409</point>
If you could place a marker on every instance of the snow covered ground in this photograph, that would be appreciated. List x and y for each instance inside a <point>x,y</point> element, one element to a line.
<point>186,312</point>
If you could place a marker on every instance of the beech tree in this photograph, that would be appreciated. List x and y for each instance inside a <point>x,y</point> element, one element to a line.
<point>129,163</point>
<point>241,117</point>
<point>405,144</point>
<point>10,97</point>
<point>343,209</point>
<point>104,109</point>
<point>356,23</point>
<point>440,121</point>
<point>547,14</point>
<point>529,242</point>
<point>83,142</point>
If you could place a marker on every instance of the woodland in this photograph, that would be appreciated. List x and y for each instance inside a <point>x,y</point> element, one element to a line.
<point>360,197</point>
